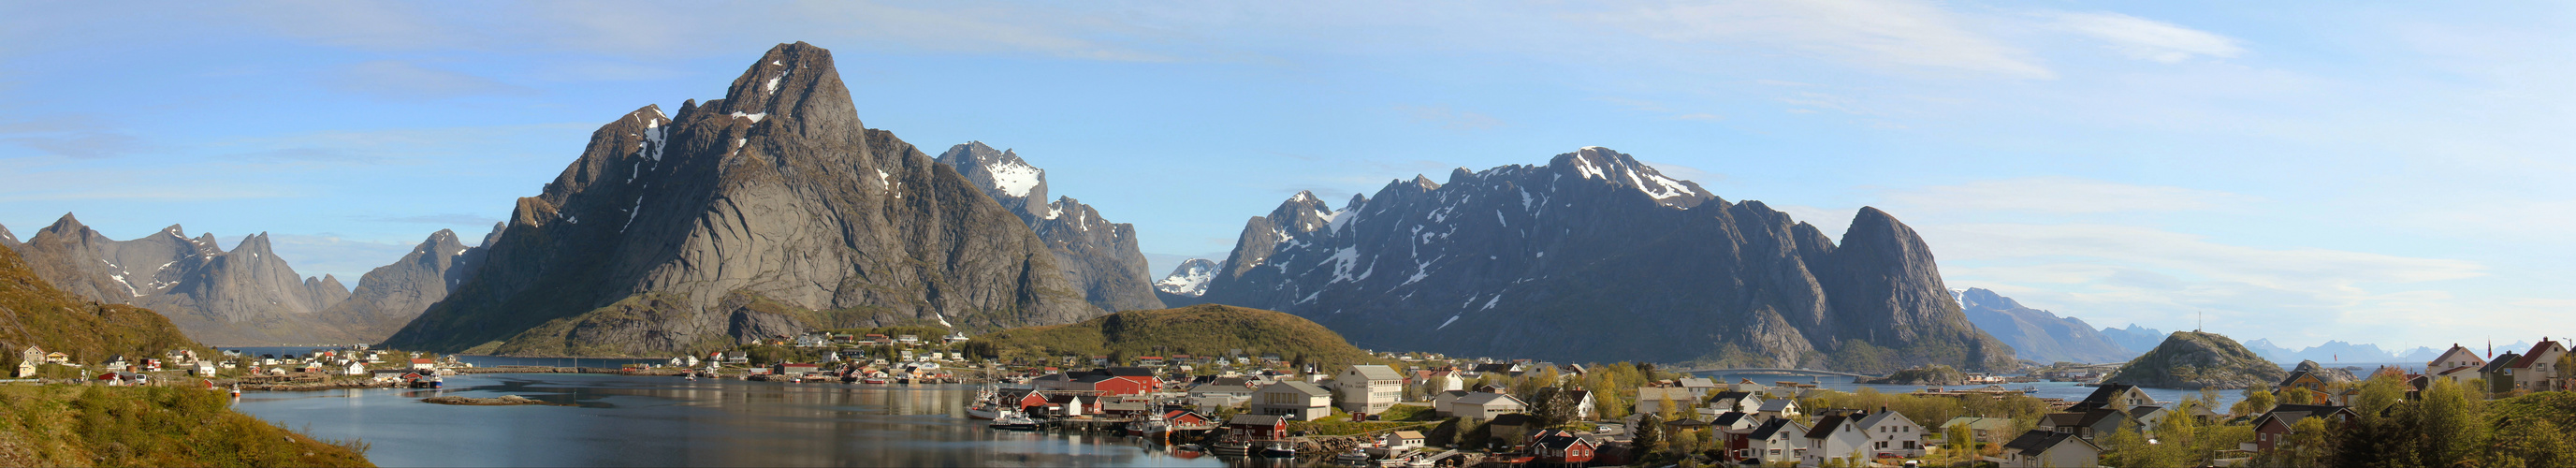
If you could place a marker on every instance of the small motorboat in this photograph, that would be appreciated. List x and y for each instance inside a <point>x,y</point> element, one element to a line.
<point>874,381</point>
<point>1233,448</point>
<point>1012,421</point>
<point>1352,458</point>
<point>1189,448</point>
<point>1279,449</point>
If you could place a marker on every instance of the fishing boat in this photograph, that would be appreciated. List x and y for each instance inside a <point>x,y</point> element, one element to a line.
<point>1279,449</point>
<point>1012,421</point>
<point>1150,426</point>
<point>874,381</point>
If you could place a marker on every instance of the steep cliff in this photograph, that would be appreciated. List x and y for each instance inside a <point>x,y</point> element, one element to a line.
<point>767,212</point>
<point>1097,255</point>
<point>1597,257</point>
<point>390,296</point>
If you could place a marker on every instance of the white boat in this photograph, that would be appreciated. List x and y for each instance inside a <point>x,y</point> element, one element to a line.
<point>983,411</point>
<point>1012,421</point>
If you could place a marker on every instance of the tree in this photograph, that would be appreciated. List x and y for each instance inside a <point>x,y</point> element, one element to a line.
<point>2256,402</point>
<point>1666,406</point>
<point>2530,441</point>
<point>2452,424</point>
<point>1650,434</point>
<point>1552,406</point>
<point>1959,439</point>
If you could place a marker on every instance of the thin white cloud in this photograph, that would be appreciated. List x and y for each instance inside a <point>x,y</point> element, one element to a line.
<point>2190,254</point>
<point>2061,195</point>
<point>2147,39</point>
<point>1877,33</point>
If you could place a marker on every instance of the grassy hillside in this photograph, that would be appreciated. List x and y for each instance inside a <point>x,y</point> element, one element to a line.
<point>63,425</point>
<point>34,313</point>
<point>1202,330</point>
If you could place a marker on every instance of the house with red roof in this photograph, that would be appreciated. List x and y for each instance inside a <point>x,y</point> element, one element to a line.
<point>1557,446</point>
<point>2537,370</point>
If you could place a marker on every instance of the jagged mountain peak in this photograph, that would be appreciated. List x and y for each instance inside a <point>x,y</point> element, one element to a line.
<point>793,87</point>
<point>1594,162</point>
<point>7,239</point>
<point>1420,182</point>
<point>1012,180</point>
<point>1190,279</point>
<point>495,236</point>
<point>1097,255</point>
<point>1982,297</point>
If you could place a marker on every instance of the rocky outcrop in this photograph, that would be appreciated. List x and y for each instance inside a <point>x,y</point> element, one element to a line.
<point>2327,374</point>
<point>2199,360</point>
<point>2038,335</point>
<point>1097,255</point>
<point>244,297</point>
<point>770,209</point>
<point>1187,282</point>
<point>390,296</point>
<point>1597,257</point>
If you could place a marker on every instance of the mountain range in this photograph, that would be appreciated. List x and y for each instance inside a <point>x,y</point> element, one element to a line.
<point>2136,339</point>
<point>1597,257</point>
<point>2038,335</point>
<point>2332,352</point>
<point>1097,255</point>
<point>765,213</point>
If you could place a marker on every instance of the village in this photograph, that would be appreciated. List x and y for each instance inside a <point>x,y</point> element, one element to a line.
<point>1423,409</point>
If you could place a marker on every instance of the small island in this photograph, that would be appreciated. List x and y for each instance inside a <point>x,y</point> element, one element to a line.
<point>2191,359</point>
<point>504,400</point>
<point>1935,374</point>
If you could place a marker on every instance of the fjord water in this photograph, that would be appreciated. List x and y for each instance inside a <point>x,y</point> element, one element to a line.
<point>668,421</point>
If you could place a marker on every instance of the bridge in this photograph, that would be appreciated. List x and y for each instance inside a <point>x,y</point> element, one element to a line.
<point>1772,371</point>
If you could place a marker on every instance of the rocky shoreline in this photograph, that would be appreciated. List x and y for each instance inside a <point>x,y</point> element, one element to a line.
<point>504,400</point>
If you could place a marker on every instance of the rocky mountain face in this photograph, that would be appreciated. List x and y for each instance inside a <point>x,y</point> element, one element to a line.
<point>1098,256</point>
<point>768,212</point>
<point>2197,360</point>
<point>243,297</point>
<point>2038,335</point>
<point>1187,282</point>
<point>2136,339</point>
<point>390,296</point>
<point>1597,257</point>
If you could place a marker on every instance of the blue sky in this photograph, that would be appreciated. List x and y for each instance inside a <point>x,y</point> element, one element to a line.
<point>2392,173</point>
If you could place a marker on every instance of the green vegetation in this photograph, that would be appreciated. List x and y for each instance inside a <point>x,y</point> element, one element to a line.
<point>1340,424</point>
<point>1935,374</point>
<point>149,426</point>
<point>39,315</point>
<point>1205,330</point>
<point>2195,360</point>
<point>2450,425</point>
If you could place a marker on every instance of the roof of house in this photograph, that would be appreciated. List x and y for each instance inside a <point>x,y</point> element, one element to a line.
<point>2143,411</point>
<point>1825,427</point>
<point>1679,395</point>
<point>1214,388</point>
<point>2085,418</point>
<point>1728,418</point>
<point>1513,419</point>
<point>1557,439</point>
<point>2533,356</point>
<point>1578,395</point>
<point>2106,392</point>
<point>2289,414</point>
<point>2458,350</point>
<point>1126,371</point>
<point>2501,363</point>
<point>1255,420</point>
<point>1488,398</point>
<point>2294,378</point>
<point>1884,417</point>
<point>1408,435</point>
<point>1772,427</point>
<point>1693,382</point>
<point>1732,395</point>
<point>1296,386</point>
<point>1377,372</point>
<point>2038,442</point>
<point>1778,404</point>
<point>1685,422</point>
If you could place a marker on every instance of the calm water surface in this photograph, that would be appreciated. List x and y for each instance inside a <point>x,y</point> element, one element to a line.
<point>667,421</point>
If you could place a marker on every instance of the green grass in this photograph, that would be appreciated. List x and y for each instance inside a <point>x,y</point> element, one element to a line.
<point>61,425</point>
<point>33,312</point>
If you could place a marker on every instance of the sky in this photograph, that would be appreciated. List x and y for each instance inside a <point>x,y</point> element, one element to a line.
<point>2393,173</point>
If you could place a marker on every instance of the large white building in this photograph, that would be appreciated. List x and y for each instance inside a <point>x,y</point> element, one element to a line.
<point>1367,389</point>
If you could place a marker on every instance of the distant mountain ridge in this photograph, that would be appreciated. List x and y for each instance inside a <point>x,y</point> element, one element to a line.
<point>38,314</point>
<point>390,296</point>
<point>1597,257</point>
<point>766,213</point>
<point>2038,335</point>
<point>2136,339</point>
<point>244,297</point>
<point>1097,255</point>
<point>1187,282</point>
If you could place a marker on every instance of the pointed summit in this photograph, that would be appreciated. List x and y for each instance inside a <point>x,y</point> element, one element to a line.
<point>796,85</point>
<point>1598,163</point>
